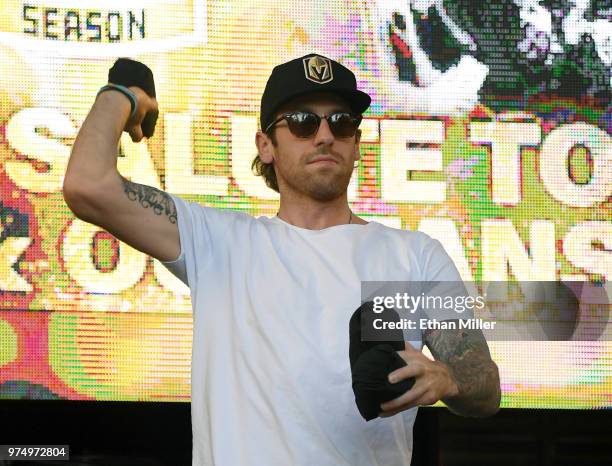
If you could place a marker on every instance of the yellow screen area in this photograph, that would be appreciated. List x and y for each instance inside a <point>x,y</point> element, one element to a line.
<point>489,130</point>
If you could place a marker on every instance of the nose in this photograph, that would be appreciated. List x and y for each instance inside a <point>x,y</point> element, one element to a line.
<point>324,135</point>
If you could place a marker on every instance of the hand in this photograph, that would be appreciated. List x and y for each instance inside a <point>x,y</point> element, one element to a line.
<point>433,382</point>
<point>145,105</point>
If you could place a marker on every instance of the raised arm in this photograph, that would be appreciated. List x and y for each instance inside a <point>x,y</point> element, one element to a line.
<point>141,216</point>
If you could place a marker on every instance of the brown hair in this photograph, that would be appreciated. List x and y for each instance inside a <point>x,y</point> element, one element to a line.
<point>266,170</point>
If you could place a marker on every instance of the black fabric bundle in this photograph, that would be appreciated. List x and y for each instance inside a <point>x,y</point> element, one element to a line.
<point>127,72</point>
<point>373,361</point>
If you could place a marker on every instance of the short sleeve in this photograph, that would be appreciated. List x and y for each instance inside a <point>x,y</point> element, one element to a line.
<point>194,238</point>
<point>436,264</point>
<point>177,266</point>
<point>442,283</point>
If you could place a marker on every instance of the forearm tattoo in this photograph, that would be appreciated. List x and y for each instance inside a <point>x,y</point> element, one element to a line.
<point>466,354</point>
<point>148,197</point>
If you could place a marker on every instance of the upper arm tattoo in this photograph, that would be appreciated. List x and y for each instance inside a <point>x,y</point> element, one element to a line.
<point>149,197</point>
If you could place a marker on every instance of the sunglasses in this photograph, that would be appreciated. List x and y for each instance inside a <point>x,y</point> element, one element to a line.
<point>306,124</point>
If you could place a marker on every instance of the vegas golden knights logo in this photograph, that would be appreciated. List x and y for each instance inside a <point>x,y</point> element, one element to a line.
<point>318,69</point>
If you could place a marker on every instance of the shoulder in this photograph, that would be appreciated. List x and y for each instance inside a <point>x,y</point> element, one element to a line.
<point>416,240</point>
<point>427,253</point>
<point>197,209</point>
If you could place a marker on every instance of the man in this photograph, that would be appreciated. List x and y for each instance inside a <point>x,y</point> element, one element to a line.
<point>272,297</point>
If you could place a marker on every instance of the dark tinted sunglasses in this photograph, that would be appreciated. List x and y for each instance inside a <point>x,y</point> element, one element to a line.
<point>306,124</point>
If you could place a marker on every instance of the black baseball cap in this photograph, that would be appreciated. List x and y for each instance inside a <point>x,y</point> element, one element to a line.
<point>310,73</point>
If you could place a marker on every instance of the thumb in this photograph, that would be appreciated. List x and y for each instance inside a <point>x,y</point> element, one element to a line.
<point>136,133</point>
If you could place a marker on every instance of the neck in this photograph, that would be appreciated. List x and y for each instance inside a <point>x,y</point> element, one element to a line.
<point>316,215</point>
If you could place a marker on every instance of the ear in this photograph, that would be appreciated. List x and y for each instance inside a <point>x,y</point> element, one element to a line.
<point>264,147</point>
<point>357,153</point>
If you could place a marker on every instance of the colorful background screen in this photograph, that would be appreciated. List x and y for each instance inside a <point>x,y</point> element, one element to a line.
<point>490,129</point>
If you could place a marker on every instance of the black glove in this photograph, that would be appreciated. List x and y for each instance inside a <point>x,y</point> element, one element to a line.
<point>128,73</point>
<point>373,361</point>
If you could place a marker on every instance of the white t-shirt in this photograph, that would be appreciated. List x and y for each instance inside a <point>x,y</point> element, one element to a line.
<point>271,378</point>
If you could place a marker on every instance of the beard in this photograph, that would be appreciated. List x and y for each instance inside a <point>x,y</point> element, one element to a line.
<point>325,188</point>
<point>322,184</point>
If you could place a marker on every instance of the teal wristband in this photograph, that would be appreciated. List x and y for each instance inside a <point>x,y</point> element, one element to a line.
<point>125,91</point>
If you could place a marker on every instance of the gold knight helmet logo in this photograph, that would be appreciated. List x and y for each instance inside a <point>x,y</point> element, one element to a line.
<point>318,69</point>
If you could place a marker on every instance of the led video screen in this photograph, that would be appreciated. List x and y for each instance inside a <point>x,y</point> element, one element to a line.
<point>490,130</point>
